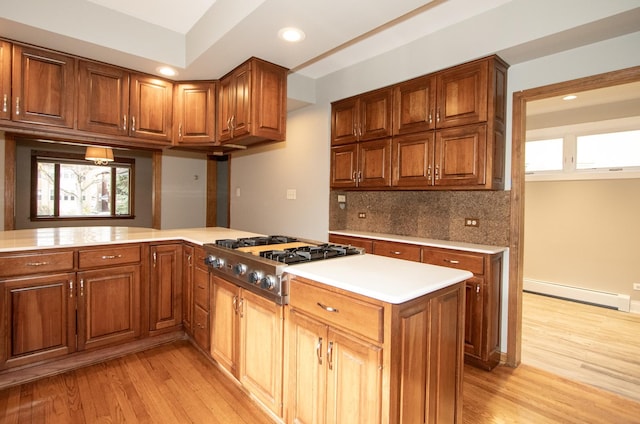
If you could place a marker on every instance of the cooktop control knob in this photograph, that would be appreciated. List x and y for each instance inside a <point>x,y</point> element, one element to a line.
<point>240,269</point>
<point>255,277</point>
<point>216,262</point>
<point>268,282</point>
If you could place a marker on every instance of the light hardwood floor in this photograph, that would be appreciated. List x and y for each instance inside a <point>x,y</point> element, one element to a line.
<point>175,384</point>
<point>585,343</point>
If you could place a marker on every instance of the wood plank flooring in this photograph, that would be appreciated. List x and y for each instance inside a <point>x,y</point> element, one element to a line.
<point>175,384</point>
<point>585,343</point>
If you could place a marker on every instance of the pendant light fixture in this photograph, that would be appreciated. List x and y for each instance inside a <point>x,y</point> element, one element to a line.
<point>99,155</point>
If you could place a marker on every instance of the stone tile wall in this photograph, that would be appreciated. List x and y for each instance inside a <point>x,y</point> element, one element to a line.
<point>429,214</point>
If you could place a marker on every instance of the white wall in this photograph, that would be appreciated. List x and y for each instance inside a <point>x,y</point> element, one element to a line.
<point>184,190</point>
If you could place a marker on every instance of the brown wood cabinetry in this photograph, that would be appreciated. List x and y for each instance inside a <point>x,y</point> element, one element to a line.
<point>366,164</point>
<point>483,297</point>
<point>355,359</point>
<point>165,286</point>
<point>247,340</point>
<point>448,130</point>
<point>194,113</point>
<point>5,80</point>
<point>150,107</point>
<point>188,268</point>
<point>361,118</point>
<point>252,103</point>
<point>38,316</point>
<point>43,87</point>
<point>483,290</point>
<point>201,301</point>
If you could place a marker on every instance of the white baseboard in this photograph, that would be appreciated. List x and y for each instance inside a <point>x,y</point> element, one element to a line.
<point>621,302</point>
<point>635,307</point>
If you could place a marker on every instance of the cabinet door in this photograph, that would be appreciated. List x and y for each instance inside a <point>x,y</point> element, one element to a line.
<point>462,95</point>
<point>461,156</point>
<point>260,364</point>
<point>375,120</point>
<point>473,319</point>
<point>108,306</point>
<point>39,319</point>
<point>103,98</point>
<point>268,100</point>
<point>354,380</point>
<point>150,106</point>
<point>344,121</point>
<point>374,163</point>
<point>194,113</point>
<point>413,160</point>
<point>188,267</point>
<point>234,105</point>
<point>5,80</point>
<point>165,291</point>
<point>308,341</point>
<point>226,106</point>
<point>414,105</point>
<point>344,163</point>
<point>43,86</point>
<point>225,307</point>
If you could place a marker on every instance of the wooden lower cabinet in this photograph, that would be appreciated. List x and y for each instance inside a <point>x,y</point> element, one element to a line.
<point>108,306</point>
<point>247,340</point>
<point>38,318</point>
<point>165,286</point>
<point>188,268</point>
<point>405,366</point>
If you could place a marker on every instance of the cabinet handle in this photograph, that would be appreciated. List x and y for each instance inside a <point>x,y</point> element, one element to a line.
<point>241,307</point>
<point>70,288</point>
<point>429,173</point>
<point>235,304</point>
<point>438,115</point>
<point>180,131</point>
<point>4,103</point>
<point>477,288</point>
<point>112,256</point>
<point>327,308</point>
<point>430,117</point>
<point>319,350</point>
<point>330,355</point>
<point>189,260</point>
<point>155,259</point>
<point>233,125</point>
<point>437,172</point>
<point>133,124</point>
<point>452,261</point>
<point>395,252</point>
<point>37,263</point>
<point>17,105</point>
<point>124,122</point>
<point>355,130</point>
<point>81,287</point>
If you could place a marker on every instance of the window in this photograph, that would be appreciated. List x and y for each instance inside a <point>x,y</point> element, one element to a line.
<point>597,150</point>
<point>78,189</point>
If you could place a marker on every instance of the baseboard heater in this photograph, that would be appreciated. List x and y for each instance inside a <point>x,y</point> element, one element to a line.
<point>620,302</point>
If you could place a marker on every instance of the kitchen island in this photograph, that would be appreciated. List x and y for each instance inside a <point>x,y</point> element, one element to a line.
<point>380,339</point>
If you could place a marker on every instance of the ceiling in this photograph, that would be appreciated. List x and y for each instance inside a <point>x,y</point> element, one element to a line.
<point>204,39</point>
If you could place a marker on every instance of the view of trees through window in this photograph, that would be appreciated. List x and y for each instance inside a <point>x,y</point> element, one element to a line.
<point>72,188</point>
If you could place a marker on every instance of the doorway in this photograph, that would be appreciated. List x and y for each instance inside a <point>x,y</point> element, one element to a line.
<point>218,205</point>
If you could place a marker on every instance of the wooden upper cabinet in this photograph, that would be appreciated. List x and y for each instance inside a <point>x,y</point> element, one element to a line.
<point>5,80</point>
<point>462,95</point>
<point>43,87</point>
<point>194,113</point>
<point>412,159</point>
<point>366,164</point>
<point>461,156</point>
<point>364,117</point>
<point>150,108</point>
<point>252,103</point>
<point>414,104</point>
<point>103,98</point>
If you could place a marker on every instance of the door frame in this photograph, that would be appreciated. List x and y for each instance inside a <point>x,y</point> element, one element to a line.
<point>516,230</point>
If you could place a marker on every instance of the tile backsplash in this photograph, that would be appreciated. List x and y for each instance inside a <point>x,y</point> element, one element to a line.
<point>429,214</point>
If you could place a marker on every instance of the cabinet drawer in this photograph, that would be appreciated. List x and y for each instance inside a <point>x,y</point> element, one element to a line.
<point>467,261</point>
<point>363,243</point>
<point>397,250</point>
<point>114,255</point>
<point>339,310</point>
<point>201,327</point>
<point>35,263</point>
<point>201,287</point>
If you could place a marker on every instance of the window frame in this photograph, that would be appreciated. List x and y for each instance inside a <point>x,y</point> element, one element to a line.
<point>74,158</point>
<point>569,134</point>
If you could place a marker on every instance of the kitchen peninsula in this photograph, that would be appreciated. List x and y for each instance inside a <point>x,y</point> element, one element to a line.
<point>381,339</point>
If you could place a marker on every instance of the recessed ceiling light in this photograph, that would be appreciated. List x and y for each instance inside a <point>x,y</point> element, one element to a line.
<point>167,71</point>
<point>570,97</point>
<point>293,35</point>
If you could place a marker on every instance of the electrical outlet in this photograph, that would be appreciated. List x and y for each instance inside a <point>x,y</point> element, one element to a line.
<point>471,222</point>
<point>636,286</point>
<point>362,215</point>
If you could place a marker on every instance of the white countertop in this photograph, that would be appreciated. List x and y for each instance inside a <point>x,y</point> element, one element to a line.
<point>49,238</point>
<point>445,244</point>
<point>379,277</point>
